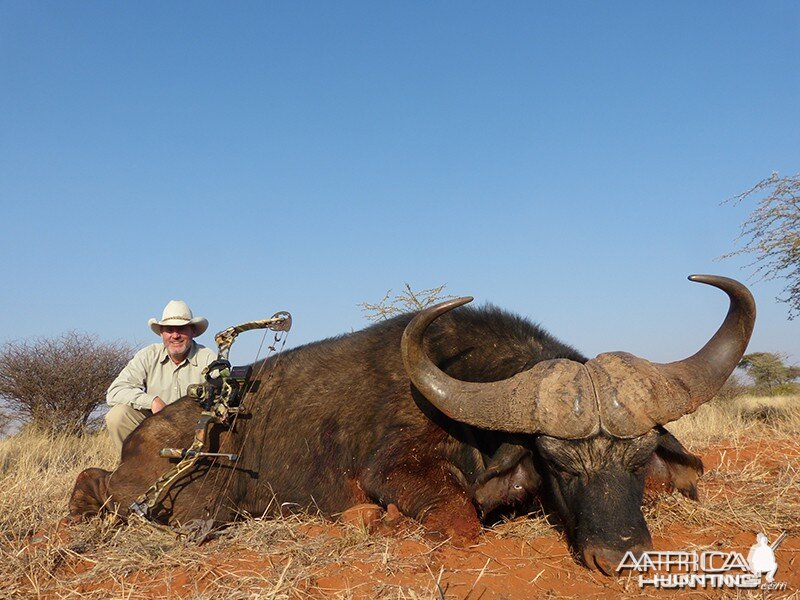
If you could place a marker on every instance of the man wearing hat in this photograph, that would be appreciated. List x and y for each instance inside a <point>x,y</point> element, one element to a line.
<point>160,373</point>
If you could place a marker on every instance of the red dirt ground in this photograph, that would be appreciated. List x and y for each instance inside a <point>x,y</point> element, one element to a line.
<point>498,567</point>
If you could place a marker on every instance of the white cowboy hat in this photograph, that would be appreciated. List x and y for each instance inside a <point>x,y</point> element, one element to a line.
<point>178,313</point>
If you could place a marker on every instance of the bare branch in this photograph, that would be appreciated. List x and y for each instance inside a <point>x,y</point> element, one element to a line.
<point>771,234</point>
<point>406,301</point>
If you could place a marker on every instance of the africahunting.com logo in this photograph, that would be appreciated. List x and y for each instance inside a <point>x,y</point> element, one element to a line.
<point>707,568</point>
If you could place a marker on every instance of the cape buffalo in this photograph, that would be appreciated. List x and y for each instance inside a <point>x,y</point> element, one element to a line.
<point>417,410</point>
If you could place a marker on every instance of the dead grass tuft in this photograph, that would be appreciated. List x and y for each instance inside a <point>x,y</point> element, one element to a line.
<point>534,525</point>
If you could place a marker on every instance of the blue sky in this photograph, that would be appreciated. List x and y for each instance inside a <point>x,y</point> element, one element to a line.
<point>566,161</point>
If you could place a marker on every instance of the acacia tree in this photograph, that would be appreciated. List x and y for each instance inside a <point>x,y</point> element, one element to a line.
<point>768,370</point>
<point>772,234</point>
<point>406,301</point>
<point>57,383</point>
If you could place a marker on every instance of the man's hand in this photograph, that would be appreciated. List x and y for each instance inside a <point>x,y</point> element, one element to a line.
<point>158,405</point>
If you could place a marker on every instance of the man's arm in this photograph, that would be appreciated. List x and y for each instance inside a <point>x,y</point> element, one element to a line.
<point>130,386</point>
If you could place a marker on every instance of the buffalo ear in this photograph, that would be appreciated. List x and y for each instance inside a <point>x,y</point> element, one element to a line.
<point>673,467</point>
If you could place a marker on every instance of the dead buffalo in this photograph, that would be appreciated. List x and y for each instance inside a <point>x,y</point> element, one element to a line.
<point>357,419</point>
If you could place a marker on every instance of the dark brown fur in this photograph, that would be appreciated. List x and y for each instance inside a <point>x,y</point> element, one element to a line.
<point>90,493</point>
<point>510,481</point>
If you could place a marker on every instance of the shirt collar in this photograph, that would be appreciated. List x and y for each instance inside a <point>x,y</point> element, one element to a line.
<point>191,357</point>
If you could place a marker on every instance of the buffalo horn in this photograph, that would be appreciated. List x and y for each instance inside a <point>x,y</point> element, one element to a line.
<point>621,394</point>
<point>635,395</point>
<point>554,397</point>
<point>704,373</point>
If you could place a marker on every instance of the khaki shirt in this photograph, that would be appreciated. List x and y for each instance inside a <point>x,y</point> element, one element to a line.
<point>152,373</point>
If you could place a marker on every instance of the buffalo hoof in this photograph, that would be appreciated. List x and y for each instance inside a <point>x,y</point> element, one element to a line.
<point>362,515</point>
<point>393,515</point>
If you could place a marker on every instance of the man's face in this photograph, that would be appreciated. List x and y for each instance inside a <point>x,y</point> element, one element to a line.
<point>177,340</point>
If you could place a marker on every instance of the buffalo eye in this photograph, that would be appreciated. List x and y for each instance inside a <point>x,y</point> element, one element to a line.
<point>566,478</point>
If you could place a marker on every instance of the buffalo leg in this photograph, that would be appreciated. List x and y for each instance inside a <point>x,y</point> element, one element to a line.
<point>438,502</point>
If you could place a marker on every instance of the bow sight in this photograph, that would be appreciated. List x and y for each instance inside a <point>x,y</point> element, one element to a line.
<point>221,398</point>
<point>222,393</point>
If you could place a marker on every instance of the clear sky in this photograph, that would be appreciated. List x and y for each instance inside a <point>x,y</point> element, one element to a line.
<point>566,161</point>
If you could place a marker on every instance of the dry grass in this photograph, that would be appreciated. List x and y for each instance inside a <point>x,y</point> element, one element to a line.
<point>37,471</point>
<point>751,484</point>
<point>742,419</point>
<point>743,490</point>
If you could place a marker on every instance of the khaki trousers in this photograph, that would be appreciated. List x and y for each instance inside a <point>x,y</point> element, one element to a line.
<point>121,420</point>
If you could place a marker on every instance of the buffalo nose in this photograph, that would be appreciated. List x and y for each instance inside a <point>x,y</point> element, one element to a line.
<point>606,560</point>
